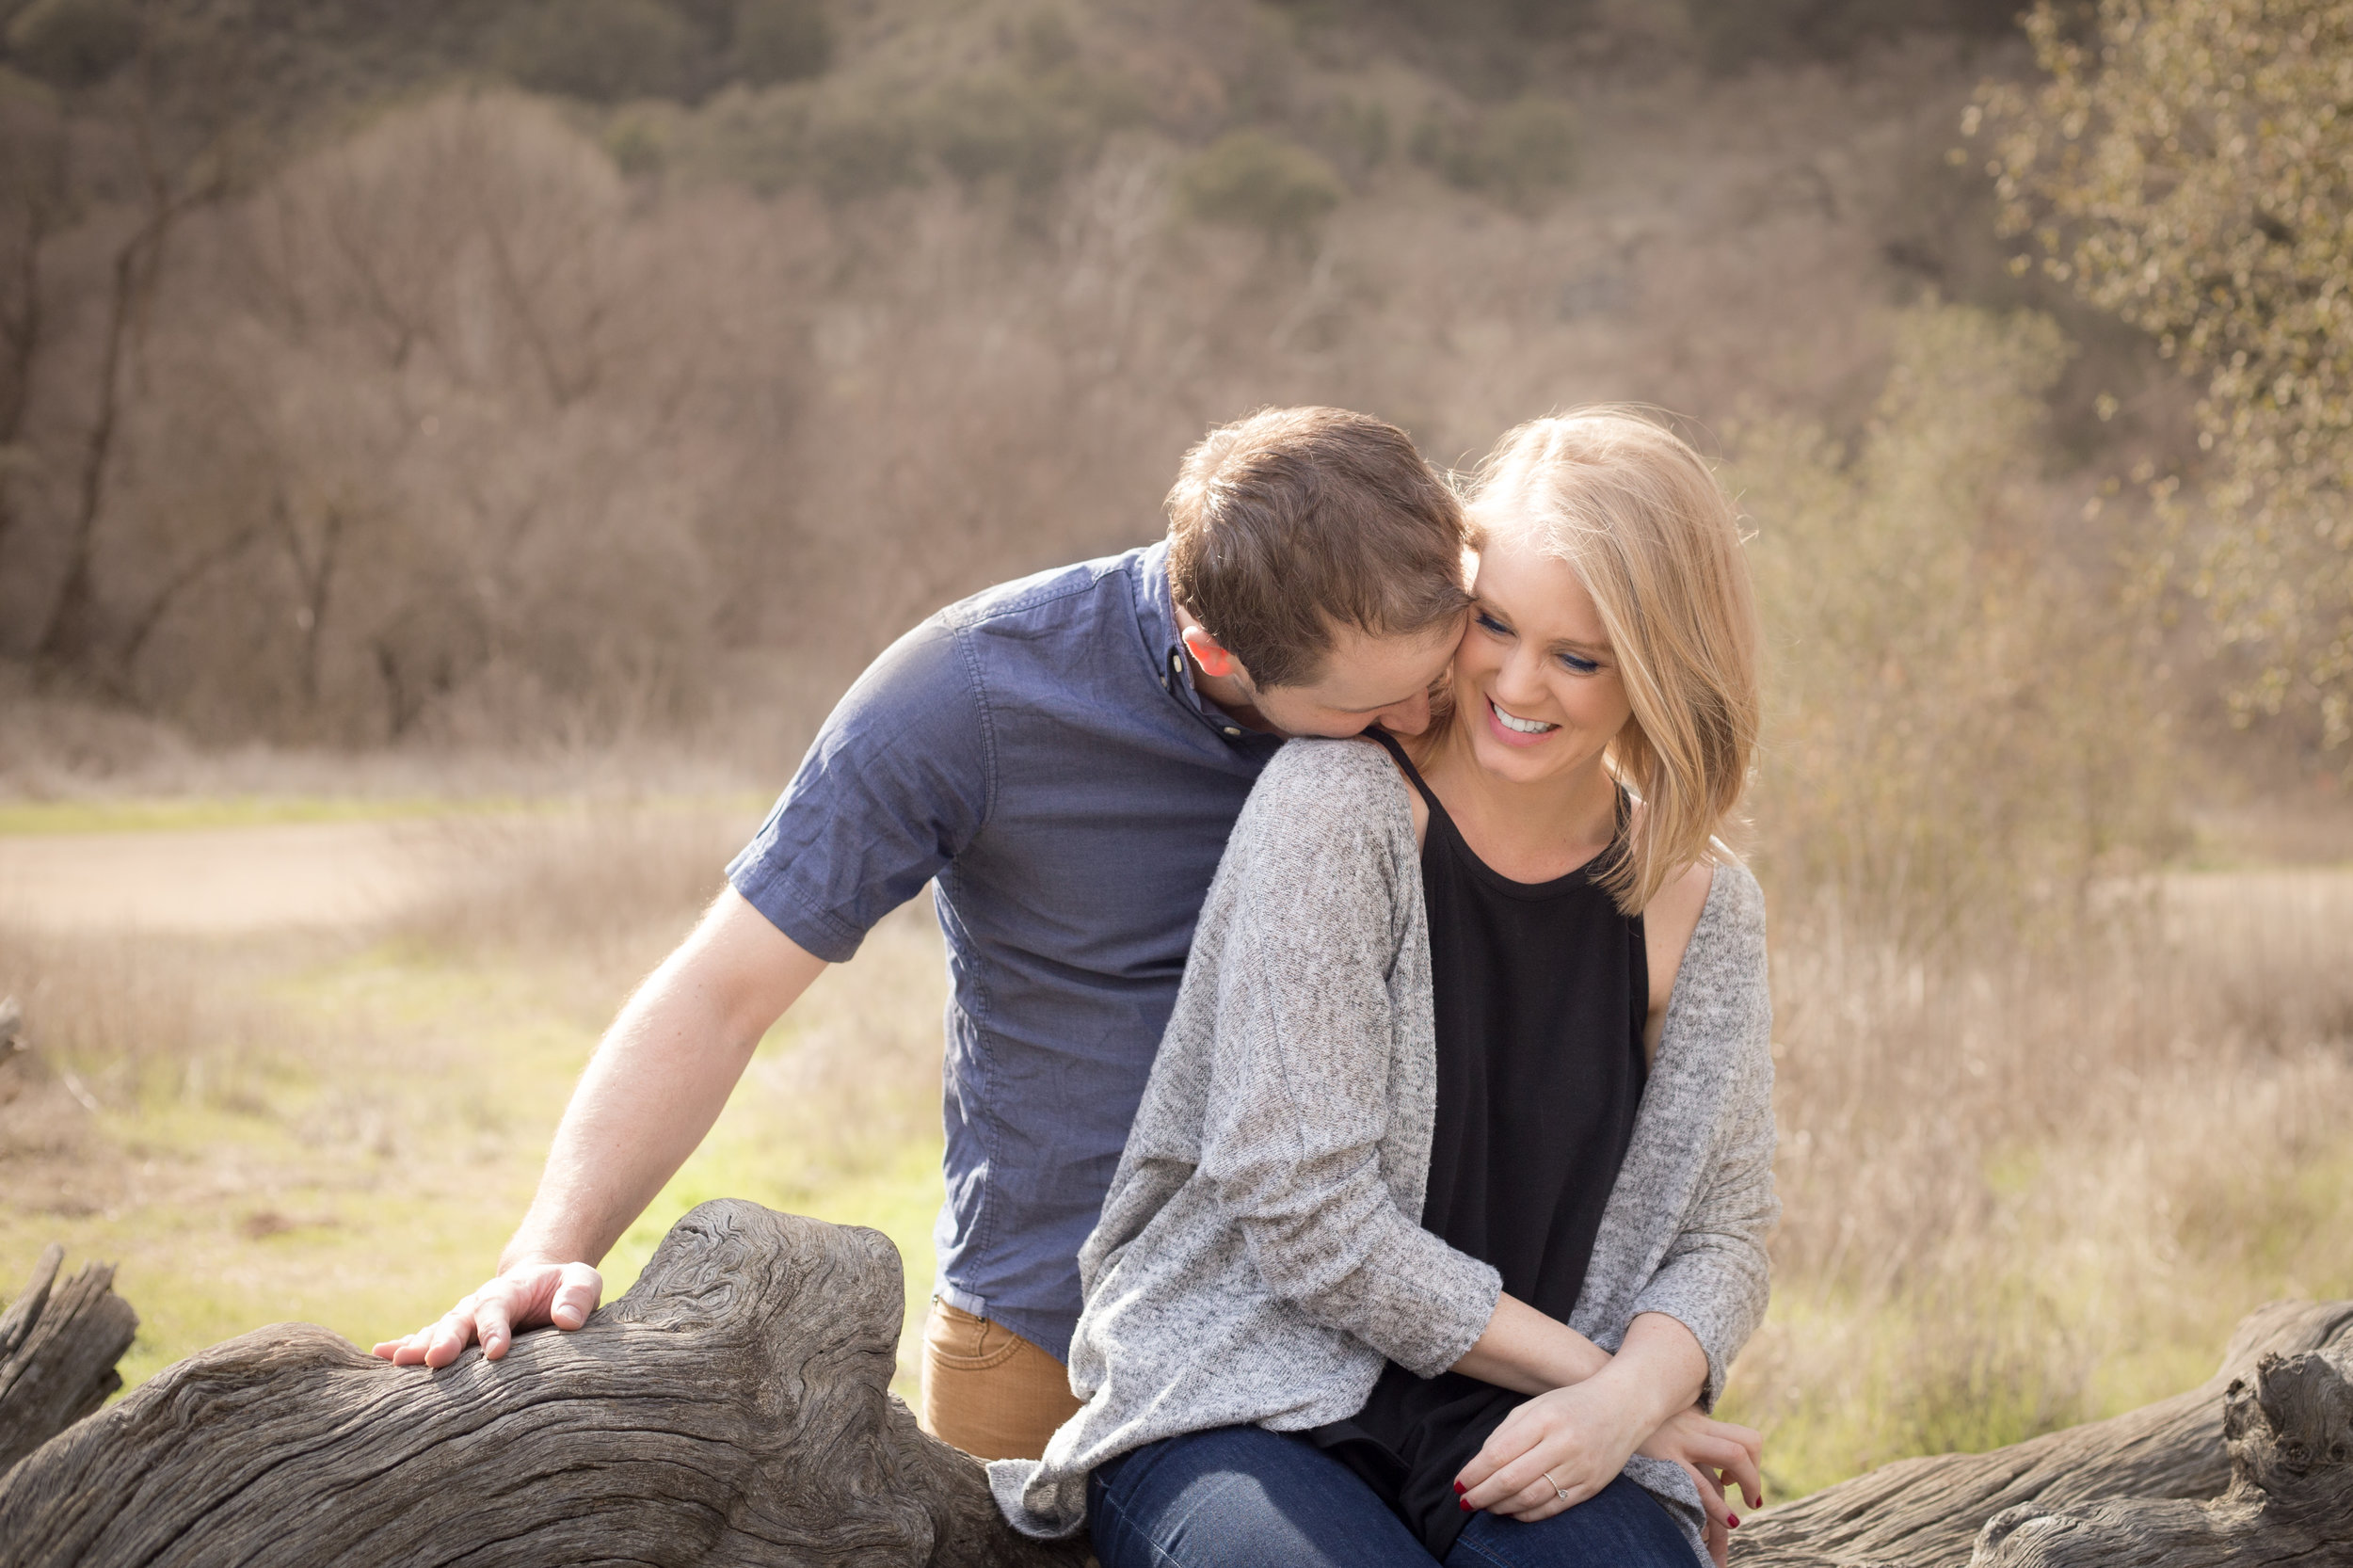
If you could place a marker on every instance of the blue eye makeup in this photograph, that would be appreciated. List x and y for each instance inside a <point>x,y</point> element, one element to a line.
<point>1581,667</point>
<point>1489,623</point>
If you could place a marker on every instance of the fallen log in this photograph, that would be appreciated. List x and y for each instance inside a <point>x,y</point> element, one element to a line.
<point>732,1409</point>
<point>2255,1466</point>
<point>58,1346</point>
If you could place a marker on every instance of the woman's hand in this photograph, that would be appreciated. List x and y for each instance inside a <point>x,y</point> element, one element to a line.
<point>1714,1454</point>
<point>1561,1447</point>
<point>1553,1452</point>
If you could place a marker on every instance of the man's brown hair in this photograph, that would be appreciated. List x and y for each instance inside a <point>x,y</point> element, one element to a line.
<point>1292,523</point>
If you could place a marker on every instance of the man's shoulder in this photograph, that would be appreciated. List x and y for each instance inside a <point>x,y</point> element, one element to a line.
<point>1060,598</point>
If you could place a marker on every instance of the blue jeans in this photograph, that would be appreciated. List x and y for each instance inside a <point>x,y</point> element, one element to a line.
<point>1246,1497</point>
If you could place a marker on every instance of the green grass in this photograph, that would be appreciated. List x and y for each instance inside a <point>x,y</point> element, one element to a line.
<point>366,1184</point>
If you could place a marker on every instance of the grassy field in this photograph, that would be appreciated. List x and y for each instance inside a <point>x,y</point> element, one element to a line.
<point>2017,1196</point>
<point>342,1126</point>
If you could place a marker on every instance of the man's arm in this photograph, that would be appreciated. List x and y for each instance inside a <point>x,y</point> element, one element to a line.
<point>656,1083</point>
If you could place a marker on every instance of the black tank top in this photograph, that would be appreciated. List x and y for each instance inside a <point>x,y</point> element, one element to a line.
<point>1540,991</point>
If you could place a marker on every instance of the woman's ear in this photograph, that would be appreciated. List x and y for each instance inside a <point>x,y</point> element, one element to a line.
<point>1210,654</point>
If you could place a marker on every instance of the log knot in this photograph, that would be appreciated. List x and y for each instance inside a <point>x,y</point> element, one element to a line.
<point>2288,1428</point>
<point>731,1411</point>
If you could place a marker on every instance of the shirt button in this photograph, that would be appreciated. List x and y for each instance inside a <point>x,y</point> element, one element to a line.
<point>1232,734</point>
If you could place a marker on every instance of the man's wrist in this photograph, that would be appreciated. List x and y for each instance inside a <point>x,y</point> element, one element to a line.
<point>523,1254</point>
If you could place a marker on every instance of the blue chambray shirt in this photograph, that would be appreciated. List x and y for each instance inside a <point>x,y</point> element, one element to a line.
<point>1038,753</point>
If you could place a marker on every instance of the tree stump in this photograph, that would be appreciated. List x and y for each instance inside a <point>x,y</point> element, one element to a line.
<point>2255,1466</point>
<point>58,1346</point>
<point>732,1409</point>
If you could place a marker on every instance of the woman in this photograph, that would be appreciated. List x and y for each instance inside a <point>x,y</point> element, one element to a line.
<point>1444,1211</point>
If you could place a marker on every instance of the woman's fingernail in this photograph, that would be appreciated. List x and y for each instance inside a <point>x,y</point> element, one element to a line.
<point>1466,1505</point>
<point>1460,1489</point>
<point>1732,1522</point>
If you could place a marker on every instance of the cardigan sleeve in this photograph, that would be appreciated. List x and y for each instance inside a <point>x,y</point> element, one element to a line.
<point>1714,1277</point>
<point>1299,1096</point>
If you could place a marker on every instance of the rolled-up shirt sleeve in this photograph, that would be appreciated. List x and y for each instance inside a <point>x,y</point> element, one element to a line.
<point>895,785</point>
<point>1300,1098</point>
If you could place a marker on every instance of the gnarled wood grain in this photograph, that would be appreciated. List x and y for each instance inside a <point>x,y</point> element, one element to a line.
<point>732,1409</point>
<point>58,1346</point>
<point>2130,1484</point>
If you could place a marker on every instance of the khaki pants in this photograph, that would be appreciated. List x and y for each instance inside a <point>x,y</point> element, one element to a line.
<point>987,1390</point>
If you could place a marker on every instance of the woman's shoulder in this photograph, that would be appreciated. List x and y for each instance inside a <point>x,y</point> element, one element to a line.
<point>1327,797</point>
<point>1727,942</point>
<point>1733,895</point>
<point>1330,778</point>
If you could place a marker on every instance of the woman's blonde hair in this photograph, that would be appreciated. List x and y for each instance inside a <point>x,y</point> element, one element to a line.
<point>1635,512</point>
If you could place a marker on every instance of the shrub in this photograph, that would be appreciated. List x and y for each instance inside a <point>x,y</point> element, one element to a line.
<point>1960,743</point>
<point>1255,181</point>
<point>995,126</point>
<point>74,43</point>
<point>1029,129</point>
<point>862,152</point>
<point>601,50</point>
<point>1355,133</point>
<point>781,41</point>
<point>1734,33</point>
<point>1518,151</point>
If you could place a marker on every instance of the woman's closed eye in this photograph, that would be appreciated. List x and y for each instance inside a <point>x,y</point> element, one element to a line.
<point>1488,622</point>
<point>1578,663</point>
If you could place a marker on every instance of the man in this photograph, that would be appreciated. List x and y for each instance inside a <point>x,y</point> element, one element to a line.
<point>1061,758</point>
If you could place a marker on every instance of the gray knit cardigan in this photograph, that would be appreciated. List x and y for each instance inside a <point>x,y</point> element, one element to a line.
<point>1260,1252</point>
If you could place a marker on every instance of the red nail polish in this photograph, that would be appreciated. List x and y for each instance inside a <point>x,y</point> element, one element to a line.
<point>1466,1507</point>
<point>1731,1523</point>
<point>1460,1489</point>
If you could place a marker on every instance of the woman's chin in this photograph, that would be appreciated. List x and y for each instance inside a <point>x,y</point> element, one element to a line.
<point>1519,764</point>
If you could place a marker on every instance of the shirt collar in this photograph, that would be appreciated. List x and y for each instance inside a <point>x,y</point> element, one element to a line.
<point>1165,648</point>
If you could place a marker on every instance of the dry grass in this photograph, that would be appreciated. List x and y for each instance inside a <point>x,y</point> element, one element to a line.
<point>2023,1195</point>
<point>341,1126</point>
<point>2021,1190</point>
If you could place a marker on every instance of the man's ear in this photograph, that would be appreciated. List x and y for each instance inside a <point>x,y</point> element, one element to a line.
<point>1210,654</point>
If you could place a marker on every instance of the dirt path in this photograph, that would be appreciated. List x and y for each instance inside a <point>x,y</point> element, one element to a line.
<point>219,881</point>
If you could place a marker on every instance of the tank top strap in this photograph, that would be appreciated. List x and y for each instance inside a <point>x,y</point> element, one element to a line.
<point>1412,773</point>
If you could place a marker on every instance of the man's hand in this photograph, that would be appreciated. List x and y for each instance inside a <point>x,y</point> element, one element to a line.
<point>651,1091</point>
<point>1716,1455</point>
<point>527,1295</point>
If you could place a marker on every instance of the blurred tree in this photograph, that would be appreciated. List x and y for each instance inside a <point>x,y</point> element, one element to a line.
<point>781,40</point>
<point>2191,169</point>
<point>1520,151</point>
<point>1734,33</point>
<point>34,197</point>
<point>1256,180</point>
<point>1961,739</point>
<point>74,43</point>
<point>603,50</point>
<point>1031,126</point>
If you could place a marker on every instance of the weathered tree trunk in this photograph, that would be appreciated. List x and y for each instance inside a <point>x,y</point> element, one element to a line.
<point>2255,1466</point>
<point>58,1346</point>
<point>733,1408</point>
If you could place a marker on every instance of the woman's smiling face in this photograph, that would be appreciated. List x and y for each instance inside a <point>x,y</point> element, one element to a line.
<point>1537,690</point>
